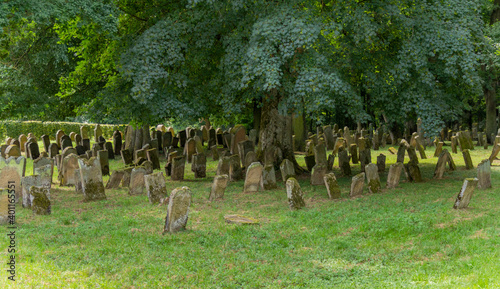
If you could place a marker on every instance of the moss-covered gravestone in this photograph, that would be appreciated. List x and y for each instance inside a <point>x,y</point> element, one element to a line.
<point>465,194</point>
<point>467,159</point>
<point>178,210</point>
<point>235,170</point>
<point>394,175</point>
<point>218,187</point>
<point>269,177</point>
<point>332,187</point>
<point>136,185</point>
<point>40,204</point>
<point>253,178</point>
<point>91,176</point>
<point>484,174</point>
<point>345,167</point>
<point>178,166</point>
<point>155,187</point>
<point>294,194</point>
<point>372,178</point>
<point>115,179</point>
<point>199,165</point>
<point>412,172</point>
<point>287,169</point>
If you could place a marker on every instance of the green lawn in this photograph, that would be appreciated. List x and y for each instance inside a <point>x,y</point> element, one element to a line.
<point>406,237</point>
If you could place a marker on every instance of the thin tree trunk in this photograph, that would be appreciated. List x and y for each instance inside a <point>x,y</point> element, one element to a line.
<point>491,112</point>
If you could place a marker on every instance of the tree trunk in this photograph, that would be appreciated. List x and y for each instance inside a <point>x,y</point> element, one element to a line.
<point>257,112</point>
<point>276,130</point>
<point>491,113</point>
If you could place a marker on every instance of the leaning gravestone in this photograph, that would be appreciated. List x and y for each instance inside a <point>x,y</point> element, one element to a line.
<point>441,164</point>
<point>127,157</point>
<point>59,135</point>
<point>332,187</point>
<point>467,159</point>
<point>394,175</point>
<point>91,177</point>
<point>253,178</point>
<point>155,187</point>
<point>218,187</point>
<point>294,194</point>
<point>12,151</point>
<point>40,203</point>
<point>465,194</point>
<point>372,178</point>
<point>287,170</point>
<point>484,174</point>
<point>115,179</point>
<point>178,210</point>
<point>413,172</point>
<point>494,153</point>
<point>357,185</point>
<point>136,186</point>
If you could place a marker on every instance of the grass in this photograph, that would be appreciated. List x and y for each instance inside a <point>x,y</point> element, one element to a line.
<point>408,237</point>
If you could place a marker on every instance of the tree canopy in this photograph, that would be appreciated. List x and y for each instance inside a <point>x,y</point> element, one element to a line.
<point>148,61</point>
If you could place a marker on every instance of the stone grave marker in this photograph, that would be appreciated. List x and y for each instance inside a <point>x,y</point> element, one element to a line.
<point>218,187</point>
<point>152,155</point>
<point>465,194</point>
<point>413,172</point>
<point>394,175</point>
<point>178,165</point>
<point>91,177</point>
<point>294,194</point>
<point>136,185</point>
<point>235,170</point>
<point>178,210</point>
<point>484,174</point>
<point>357,185</point>
<point>253,179</point>
<point>467,159</point>
<point>155,187</point>
<point>199,165</point>
<point>372,177</point>
<point>332,187</point>
<point>381,163</point>
<point>40,202</point>
<point>287,170</point>
<point>103,160</point>
<point>115,179</point>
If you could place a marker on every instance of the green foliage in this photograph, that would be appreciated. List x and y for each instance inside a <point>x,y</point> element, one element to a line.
<point>13,128</point>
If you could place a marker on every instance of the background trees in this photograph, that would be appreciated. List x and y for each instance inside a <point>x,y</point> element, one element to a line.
<point>346,61</point>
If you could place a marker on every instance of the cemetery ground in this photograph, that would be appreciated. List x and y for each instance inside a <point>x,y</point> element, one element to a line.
<point>409,236</point>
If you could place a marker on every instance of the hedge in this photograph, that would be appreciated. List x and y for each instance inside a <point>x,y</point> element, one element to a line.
<point>13,128</point>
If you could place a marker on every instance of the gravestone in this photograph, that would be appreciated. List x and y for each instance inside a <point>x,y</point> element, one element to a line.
<point>287,170</point>
<point>127,157</point>
<point>78,139</point>
<point>84,132</point>
<point>136,185</point>
<point>235,170</point>
<point>365,158</point>
<point>78,182</point>
<point>91,177</point>
<point>218,187</point>
<point>215,153</point>
<point>152,155</point>
<point>178,210</point>
<point>59,135</point>
<point>353,150</point>
<point>439,149</point>
<point>394,175</point>
<point>127,172</point>
<point>412,154</point>
<point>40,203</point>
<point>115,179</point>
<point>103,160</point>
<point>97,132</point>
<point>155,187</point>
<point>223,166</point>
<point>381,163</point>
<point>69,165</point>
<point>294,194</point>
<point>310,161</point>
<point>372,178</point>
<point>484,174</point>
<point>317,175</point>
<point>46,143</point>
<point>178,165</point>
<point>238,135</point>
<point>331,161</point>
<point>26,183</point>
<point>34,151</point>
<point>332,187</point>
<point>22,141</point>
<point>253,180</point>
<point>357,185</point>
<point>413,172</point>
<point>441,164</point>
<point>467,159</point>
<point>269,177</point>
<point>12,151</point>
<point>465,194</point>
<point>190,149</point>
<point>250,158</point>
<point>66,142</point>
<point>494,153</point>
<point>345,167</point>
<point>244,147</point>
<point>199,165</point>
<point>44,167</point>
<point>401,151</point>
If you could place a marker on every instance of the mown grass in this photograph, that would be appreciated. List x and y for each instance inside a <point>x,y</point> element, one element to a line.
<point>406,237</point>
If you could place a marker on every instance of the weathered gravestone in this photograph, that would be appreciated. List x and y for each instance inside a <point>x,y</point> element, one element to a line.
<point>155,187</point>
<point>127,157</point>
<point>394,175</point>
<point>199,165</point>
<point>115,179</point>
<point>250,158</point>
<point>332,187</point>
<point>40,202</point>
<point>34,151</point>
<point>59,135</point>
<point>103,160</point>
<point>373,179</point>
<point>269,177</point>
<point>12,151</point>
<point>178,165</point>
<point>345,167</point>
<point>287,170</point>
<point>66,142</point>
<point>357,185</point>
<point>97,132</point>
<point>136,185</point>
<point>244,147</point>
<point>412,172</point>
<point>190,149</point>
<point>465,194</point>
<point>27,182</point>
<point>152,155</point>
<point>22,141</point>
<point>218,187</point>
<point>178,210</point>
<point>109,148</point>
<point>467,159</point>
<point>381,163</point>
<point>91,177</point>
<point>44,167</point>
<point>223,166</point>
<point>235,170</point>
<point>294,194</point>
<point>494,153</point>
<point>69,165</point>
<point>84,132</point>
<point>439,149</point>
<point>484,174</point>
<point>253,180</point>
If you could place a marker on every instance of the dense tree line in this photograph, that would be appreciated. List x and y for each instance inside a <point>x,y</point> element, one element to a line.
<point>343,61</point>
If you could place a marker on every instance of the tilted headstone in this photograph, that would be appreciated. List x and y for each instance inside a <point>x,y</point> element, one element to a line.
<point>374,185</point>
<point>294,194</point>
<point>287,170</point>
<point>467,159</point>
<point>439,149</point>
<point>91,177</point>
<point>40,202</point>
<point>353,150</point>
<point>127,157</point>
<point>465,194</point>
<point>357,185</point>
<point>115,179</point>
<point>401,151</point>
<point>394,175</point>
<point>365,158</point>
<point>412,171</point>
<point>484,174</point>
<point>12,151</point>
<point>155,187</point>
<point>253,180</point>
<point>178,210</point>
<point>244,147</point>
<point>412,154</point>
<point>494,153</point>
<point>332,187</point>
<point>127,172</point>
<point>152,155</point>
<point>103,160</point>
<point>331,161</point>
<point>441,165</point>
